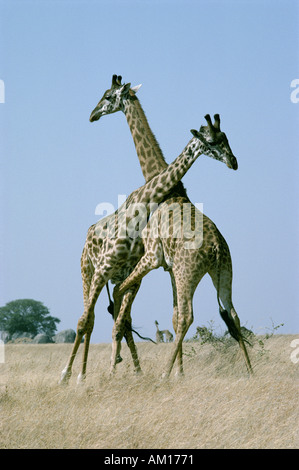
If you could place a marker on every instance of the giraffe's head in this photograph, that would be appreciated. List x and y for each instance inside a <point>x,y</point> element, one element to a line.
<point>215,143</point>
<point>113,99</point>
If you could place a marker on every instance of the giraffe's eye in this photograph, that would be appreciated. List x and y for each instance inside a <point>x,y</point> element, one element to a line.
<point>108,97</point>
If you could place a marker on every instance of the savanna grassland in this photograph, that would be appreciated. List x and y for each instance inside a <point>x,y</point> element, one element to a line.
<point>214,406</point>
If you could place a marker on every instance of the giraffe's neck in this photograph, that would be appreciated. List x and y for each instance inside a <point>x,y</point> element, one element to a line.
<point>160,185</point>
<point>150,156</point>
<point>156,190</point>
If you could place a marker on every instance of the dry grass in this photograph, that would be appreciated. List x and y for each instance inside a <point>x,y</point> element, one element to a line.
<point>215,406</point>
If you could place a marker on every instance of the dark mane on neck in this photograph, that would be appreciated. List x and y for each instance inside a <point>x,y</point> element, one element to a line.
<point>178,190</point>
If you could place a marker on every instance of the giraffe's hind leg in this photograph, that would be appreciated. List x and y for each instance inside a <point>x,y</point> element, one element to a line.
<point>184,318</point>
<point>184,281</point>
<point>179,359</point>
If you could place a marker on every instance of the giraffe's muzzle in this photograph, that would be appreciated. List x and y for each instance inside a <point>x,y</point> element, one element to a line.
<point>232,162</point>
<point>95,115</point>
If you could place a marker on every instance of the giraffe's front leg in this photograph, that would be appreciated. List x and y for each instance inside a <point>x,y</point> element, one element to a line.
<point>121,315</point>
<point>179,358</point>
<point>67,371</point>
<point>126,305</point>
<point>152,259</point>
<point>99,280</point>
<point>183,322</point>
<point>85,327</point>
<point>88,330</point>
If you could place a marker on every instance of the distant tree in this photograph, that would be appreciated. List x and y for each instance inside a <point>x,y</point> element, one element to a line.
<point>27,316</point>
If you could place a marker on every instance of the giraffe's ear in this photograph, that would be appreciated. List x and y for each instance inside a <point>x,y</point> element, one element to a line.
<point>125,88</point>
<point>136,88</point>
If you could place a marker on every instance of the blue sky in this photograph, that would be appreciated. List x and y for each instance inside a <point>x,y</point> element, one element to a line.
<point>236,58</point>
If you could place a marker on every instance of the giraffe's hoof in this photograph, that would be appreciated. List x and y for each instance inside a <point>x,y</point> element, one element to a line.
<point>179,375</point>
<point>118,359</point>
<point>164,377</point>
<point>81,378</point>
<point>65,377</point>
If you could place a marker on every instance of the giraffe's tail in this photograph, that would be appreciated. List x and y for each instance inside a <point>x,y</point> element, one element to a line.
<point>145,338</point>
<point>233,330</point>
<point>110,307</point>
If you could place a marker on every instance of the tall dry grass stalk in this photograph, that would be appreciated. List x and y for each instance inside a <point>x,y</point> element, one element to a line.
<point>216,405</point>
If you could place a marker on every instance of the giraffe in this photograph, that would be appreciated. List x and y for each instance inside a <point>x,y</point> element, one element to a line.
<point>161,333</point>
<point>123,98</point>
<point>168,336</point>
<point>113,247</point>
